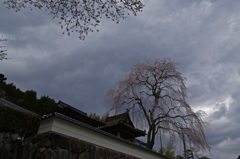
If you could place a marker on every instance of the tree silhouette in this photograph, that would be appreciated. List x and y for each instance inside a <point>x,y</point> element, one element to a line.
<point>81,16</point>
<point>154,93</point>
<point>27,99</point>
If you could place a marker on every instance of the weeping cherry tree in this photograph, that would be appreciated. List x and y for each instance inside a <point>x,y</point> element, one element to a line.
<point>154,93</point>
<point>3,50</point>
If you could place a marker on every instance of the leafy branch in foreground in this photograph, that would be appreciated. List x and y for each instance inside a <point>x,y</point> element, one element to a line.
<point>81,16</point>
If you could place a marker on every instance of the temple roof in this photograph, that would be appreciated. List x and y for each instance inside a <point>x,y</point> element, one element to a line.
<point>7,103</point>
<point>121,125</point>
<point>74,113</point>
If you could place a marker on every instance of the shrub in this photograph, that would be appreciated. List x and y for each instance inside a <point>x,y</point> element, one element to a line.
<point>14,121</point>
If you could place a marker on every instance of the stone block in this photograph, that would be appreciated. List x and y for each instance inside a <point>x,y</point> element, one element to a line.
<point>78,146</point>
<point>53,140</point>
<point>47,154</point>
<point>56,146</point>
<point>100,152</point>
<point>27,151</point>
<point>84,155</point>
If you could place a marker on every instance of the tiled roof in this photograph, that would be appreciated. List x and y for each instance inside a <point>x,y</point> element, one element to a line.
<point>71,120</point>
<point>12,105</point>
<point>64,105</point>
<point>122,125</point>
<point>120,118</point>
<point>76,114</point>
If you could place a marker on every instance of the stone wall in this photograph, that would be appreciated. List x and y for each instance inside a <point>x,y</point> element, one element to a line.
<point>55,146</point>
<point>8,142</point>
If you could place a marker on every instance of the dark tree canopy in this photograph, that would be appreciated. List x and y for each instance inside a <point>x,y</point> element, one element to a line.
<point>96,117</point>
<point>27,100</point>
<point>82,16</point>
<point>155,92</point>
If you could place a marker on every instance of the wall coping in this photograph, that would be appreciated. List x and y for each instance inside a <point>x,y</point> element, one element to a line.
<point>65,125</point>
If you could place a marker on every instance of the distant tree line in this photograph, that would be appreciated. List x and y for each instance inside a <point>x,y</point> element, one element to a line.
<point>27,100</point>
<point>96,117</point>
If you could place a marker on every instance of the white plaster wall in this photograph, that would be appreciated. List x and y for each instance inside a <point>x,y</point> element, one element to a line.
<point>76,131</point>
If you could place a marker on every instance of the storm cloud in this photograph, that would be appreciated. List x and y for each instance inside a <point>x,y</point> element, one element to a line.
<point>201,36</point>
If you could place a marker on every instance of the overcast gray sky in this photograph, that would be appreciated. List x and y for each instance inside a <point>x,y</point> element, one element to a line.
<point>203,37</point>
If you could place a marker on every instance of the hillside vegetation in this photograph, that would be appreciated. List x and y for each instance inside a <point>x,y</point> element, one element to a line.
<point>27,100</point>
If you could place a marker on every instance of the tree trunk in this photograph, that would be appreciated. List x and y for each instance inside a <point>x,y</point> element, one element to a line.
<point>160,138</point>
<point>150,144</point>
<point>184,146</point>
<point>151,137</point>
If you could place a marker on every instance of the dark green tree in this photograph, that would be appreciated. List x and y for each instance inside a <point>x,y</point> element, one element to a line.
<point>162,150</point>
<point>96,117</point>
<point>27,100</point>
<point>169,150</point>
<point>11,93</point>
<point>47,103</point>
<point>40,106</point>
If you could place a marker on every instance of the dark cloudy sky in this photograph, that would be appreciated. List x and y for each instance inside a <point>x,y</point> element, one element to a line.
<point>202,36</point>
